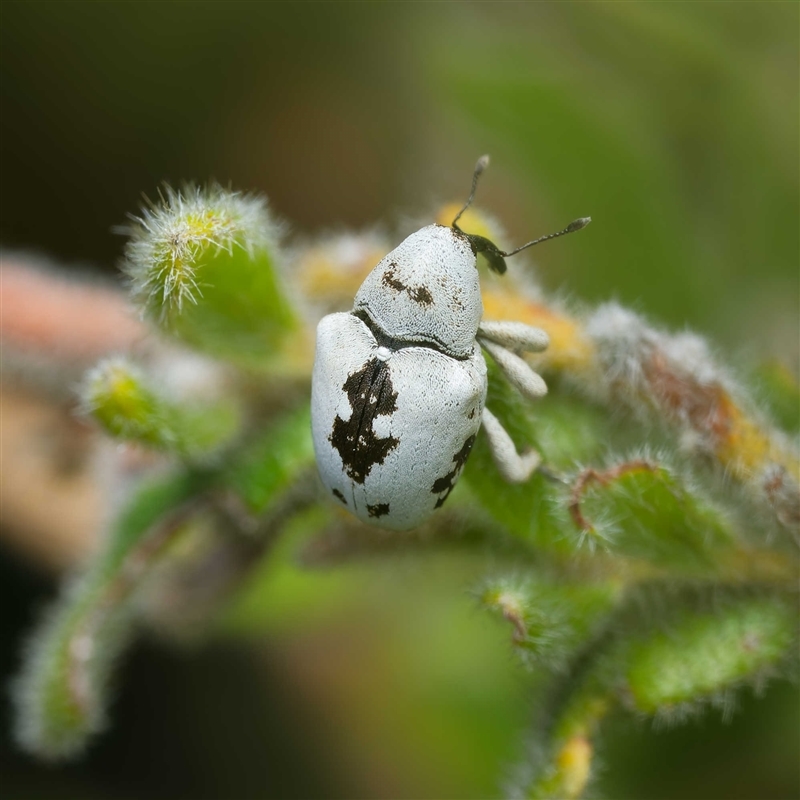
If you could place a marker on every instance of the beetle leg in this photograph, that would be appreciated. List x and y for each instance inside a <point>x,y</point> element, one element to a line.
<point>516,336</point>
<point>513,466</point>
<point>518,372</point>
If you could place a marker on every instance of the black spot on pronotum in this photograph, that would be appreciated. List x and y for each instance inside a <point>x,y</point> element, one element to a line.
<point>391,282</point>
<point>448,482</point>
<point>378,510</point>
<point>339,496</point>
<point>371,394</point>
<point>421,295</point>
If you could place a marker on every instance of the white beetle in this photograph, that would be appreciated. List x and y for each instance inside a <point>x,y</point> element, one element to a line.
<point>399,383</point>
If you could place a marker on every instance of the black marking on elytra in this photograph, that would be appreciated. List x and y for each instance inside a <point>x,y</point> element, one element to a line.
<point>339,496</point>
<point>471,414</point>
<point>378,510</point>
<point>419,294</point>
<point>371,394</point>
<point>448,482</point>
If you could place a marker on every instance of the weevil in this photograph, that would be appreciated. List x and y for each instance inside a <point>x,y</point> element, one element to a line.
<point>399,384</point>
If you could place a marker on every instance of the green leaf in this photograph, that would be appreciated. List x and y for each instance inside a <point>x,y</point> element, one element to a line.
<point>550,619</point>
<point>274,461</point>
<point>61,692</point>
<point>699,656</point>
<point>644,510</point>
<point>563,428</point>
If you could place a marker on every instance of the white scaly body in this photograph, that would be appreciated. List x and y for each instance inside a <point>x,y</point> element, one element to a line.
<point>391,445</point>
<point>399,384</point>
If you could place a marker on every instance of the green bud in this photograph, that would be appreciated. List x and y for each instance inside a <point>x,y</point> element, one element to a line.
<point>116,395</point>
<point>204,267</point>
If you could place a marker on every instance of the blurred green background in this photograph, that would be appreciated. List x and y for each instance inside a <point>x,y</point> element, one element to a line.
<point>674,125</point>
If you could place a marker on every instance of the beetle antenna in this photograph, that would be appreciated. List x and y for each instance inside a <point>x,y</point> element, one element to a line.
<point>483,162</point>
<point>575,225</point>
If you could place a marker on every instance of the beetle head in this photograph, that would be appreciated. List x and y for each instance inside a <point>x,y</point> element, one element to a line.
<point>494,256</point>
